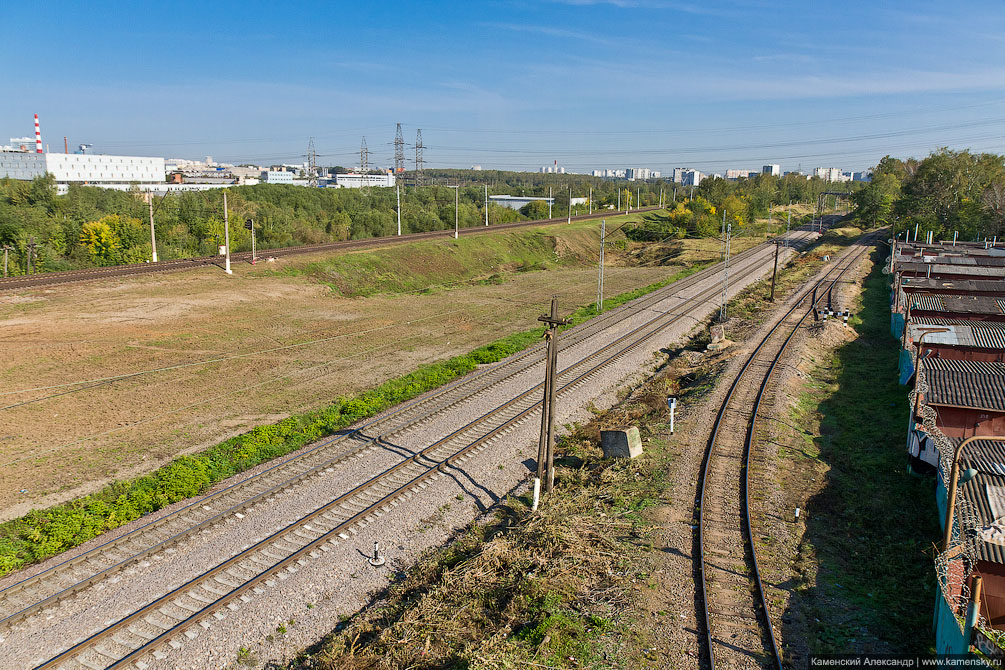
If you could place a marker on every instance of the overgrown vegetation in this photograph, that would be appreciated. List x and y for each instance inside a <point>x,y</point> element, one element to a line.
<point>866,574</point>
<point>95,226</point>
<point>552,589</point>
<point>44,533</point>
<point>546,586</point>
<point>946,192</point>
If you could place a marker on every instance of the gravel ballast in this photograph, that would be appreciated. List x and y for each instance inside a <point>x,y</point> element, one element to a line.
<point>302,605</point>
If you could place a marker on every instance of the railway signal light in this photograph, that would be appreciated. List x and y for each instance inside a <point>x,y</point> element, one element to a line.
<point>249,224</point>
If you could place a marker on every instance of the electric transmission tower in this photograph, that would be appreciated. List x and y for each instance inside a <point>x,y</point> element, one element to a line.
<point>312,164</point>
<point>364,157</point>
<point>418,157</point>
<point>399,151</point>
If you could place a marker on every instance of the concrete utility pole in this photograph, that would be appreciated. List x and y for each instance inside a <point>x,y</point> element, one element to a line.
<point>226,234</point>
<point>31,252</point>
<point>457,229</point>
<point>619,199</point>
<point>546,443</point>
<point>774,271</point>
<point>6,248</point>
<point>569,219</point>
<point>398,195</point>
<point>638,198</point>
<point>153,237</point>
<point>591,200</point>
<point>788,223</point>
<point>770,208</point>
<point>722,236</point>
<point>550,199</point>
<point>725,276</point>
<point>486,204</point>
<point>600,272</point>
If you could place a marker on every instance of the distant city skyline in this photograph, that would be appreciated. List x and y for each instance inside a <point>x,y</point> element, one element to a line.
<point>591,84</point>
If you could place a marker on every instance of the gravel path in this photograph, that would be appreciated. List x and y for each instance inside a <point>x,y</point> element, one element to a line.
<point>300,606</point>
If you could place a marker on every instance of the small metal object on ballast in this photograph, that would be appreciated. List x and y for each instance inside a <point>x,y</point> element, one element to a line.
<point>376,560</point>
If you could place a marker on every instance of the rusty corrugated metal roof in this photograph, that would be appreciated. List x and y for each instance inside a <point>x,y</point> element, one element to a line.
<point>976,384</point>
<point>988,458</point>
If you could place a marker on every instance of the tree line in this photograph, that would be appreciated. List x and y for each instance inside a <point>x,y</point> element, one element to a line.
<point>948,192</point>
<point>92,226</point>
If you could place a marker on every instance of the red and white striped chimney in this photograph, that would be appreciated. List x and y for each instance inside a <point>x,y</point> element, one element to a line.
<point>38,137</point>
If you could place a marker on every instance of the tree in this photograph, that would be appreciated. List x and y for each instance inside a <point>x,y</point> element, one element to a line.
<point>875,201</point>
<point>535,209</point>
<point>101,242</point>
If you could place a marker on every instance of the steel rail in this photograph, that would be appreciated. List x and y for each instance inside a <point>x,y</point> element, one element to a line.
<point>90,274</point>
<point>854,255</point>
<point>16,592</point>
<point>633,338</point>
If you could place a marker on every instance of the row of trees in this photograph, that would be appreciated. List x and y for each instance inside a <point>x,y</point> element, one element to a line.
<point>94,226</point>
<point>947,192</point>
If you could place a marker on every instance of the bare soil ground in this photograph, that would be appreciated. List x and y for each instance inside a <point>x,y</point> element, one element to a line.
<point>278,343</point>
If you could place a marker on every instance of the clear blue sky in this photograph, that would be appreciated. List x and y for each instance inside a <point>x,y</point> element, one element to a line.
<point>510,84</point>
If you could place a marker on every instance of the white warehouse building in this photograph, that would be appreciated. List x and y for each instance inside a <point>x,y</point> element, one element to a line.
<point>83,168</point>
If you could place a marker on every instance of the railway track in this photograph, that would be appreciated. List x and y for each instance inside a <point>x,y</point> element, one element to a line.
<point>92,274</point>
<point>214,593</point>
<point>737,621</point>
<point>45,589</point>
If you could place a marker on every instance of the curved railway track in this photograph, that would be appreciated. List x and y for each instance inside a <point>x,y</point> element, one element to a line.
<point>737,621</point>
<point>211,594</point>
<point>91,274</point>
<point>46,588</point>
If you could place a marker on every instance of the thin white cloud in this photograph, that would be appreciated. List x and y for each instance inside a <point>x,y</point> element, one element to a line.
<point>646,4</point>
<point>550,32</point>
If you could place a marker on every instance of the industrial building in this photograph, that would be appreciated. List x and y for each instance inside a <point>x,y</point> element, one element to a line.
<point>83,168</point>
<point>354,180</point>
<point>518,201</point>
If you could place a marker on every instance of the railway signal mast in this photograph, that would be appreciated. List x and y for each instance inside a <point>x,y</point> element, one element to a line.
<point>250,225</point>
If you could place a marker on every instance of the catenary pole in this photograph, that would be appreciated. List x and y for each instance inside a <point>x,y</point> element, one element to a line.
<point>788,223</point>
<point>397,190</point>
<point>226,235</point>
<point>550,199</point>
<point>569,219</point>
<point>486,204</point>
<point>457,227</point>
<point>153,237</point>
<point>591,200</point>
<point>774,271</point>
<point>600,269</point>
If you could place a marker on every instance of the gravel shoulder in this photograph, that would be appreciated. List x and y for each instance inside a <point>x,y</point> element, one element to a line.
<point>338,582</point>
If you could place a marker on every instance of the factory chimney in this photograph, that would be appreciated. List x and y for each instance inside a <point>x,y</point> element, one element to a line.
<point>38,137</point>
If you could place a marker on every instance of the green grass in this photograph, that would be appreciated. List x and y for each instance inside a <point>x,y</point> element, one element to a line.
<point>427,265</point>
<point>44,533</point>
<point>872,523</point>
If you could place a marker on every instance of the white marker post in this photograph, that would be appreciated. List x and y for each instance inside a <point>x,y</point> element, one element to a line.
<point>672,404</point>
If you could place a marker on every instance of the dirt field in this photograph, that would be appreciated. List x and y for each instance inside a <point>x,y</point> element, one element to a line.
<point>211,356</point>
